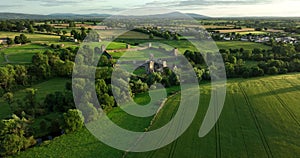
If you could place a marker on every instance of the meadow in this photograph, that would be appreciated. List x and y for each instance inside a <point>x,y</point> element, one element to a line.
<point>21,54</point>
<point>260,119</point>
<point>43,88</point>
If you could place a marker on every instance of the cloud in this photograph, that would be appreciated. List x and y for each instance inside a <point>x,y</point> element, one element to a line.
<point>10,6</point>
<point>188,3</point>
<point>54,3</point>
<point>102,9</point>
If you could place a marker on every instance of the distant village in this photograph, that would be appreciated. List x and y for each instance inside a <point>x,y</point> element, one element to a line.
<point>258,38</point>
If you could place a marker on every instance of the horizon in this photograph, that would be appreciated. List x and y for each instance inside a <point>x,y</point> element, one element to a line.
<point>214,8</point>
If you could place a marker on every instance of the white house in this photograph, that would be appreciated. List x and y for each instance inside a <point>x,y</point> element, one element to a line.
<point>3,40</point>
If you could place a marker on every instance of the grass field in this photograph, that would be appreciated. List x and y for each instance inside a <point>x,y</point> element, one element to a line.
<point>22,54</point>
<point>44,88</point>
<point>36,38</point>
<point>210,46</point>
<point>260,119</point>
<point>121,34</point>
<point>254,32</point>
<point>240,44</point>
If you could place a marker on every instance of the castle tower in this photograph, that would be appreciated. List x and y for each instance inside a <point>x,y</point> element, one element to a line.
<point>103,48</point>
<point>175,52</point>
<point>151,66</point>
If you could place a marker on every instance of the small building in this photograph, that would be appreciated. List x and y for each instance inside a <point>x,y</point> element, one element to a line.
<point>175,52</point>
<point>227,38</point>
<point>127,46</point>
<point>103,48</point>
<point>3,40</point>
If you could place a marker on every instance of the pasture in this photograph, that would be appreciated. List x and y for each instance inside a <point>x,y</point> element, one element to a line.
<point>260,119</point>
<point>44,88</point>
<point>21,54</point>
<point>35,38</point>
<point>40,38</point>
<point>123,34</point>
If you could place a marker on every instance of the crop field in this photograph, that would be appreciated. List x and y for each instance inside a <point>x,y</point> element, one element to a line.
<point>44,88</point>
<point>260,119</point>
<point>253,32</point>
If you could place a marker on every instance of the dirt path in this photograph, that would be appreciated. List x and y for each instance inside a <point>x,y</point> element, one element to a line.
<point>4,55</point>
<point>6,58</point>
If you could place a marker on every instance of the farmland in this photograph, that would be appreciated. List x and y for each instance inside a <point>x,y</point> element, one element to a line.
<point>44,88</point>
<point>260,119</point>
<point>21,54</point>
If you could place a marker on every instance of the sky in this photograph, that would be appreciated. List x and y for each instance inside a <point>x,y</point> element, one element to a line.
<point>213,8</point>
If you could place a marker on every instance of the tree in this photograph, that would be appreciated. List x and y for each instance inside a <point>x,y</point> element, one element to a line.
<point>24,39</point>
<point>17,40</point>
<point>14,135</point>
<point>89,112</point>
<point>151,36</point>
<point>41,66</point>
<point>247,55</point>
<point>30,101</point>
<point>256,71</point>
<point>58,32</point>
<point>273,70</point>
<point>73,120</point>
<point>6,78</point>
<point>21,75</point>
<point>30,29</point>
<point>72,24</point>
<point>64,32</point>
<point>232,59</point>
<point>153,78</point>
<point>8,97</point>
<point>138,86</point>
<point>10,41</point>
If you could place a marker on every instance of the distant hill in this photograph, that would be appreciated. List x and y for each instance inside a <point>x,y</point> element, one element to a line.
<point>52,16</point>
<point>21,16</point>
<point>172,15</point>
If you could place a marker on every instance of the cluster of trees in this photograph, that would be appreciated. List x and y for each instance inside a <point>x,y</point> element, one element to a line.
<point>281,59</point>
<point>79,35</point>
<point>16,25</point>
<point>15,135</point>
<point>44,66</point>
<point>22,39</point>
<point>153,31</point>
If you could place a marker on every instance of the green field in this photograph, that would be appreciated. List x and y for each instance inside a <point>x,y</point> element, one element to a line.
<point>121,34</point>
<point>211,46</point>
<point>44,88</point>
<point>21,54</point>
<point>36,38</point>
<point>260,119</point>
<point>241,44</point>
<point>253,32</point>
